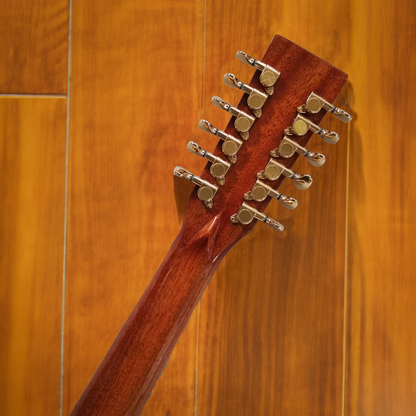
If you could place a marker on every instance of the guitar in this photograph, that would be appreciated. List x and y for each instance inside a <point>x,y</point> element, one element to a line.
<point>281,108</point>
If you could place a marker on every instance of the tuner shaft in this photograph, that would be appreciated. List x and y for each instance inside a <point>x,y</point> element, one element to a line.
<point>231,145</point>
<point>268,76</point>
<point>219,167</point>
<point>256,98</point>
<point>301,125</point>
<point>206,191</point>
<point>315,103</point>
<point>243,121</point>
<point>246,215</point>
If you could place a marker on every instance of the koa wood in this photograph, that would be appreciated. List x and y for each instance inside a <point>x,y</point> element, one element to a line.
<point>128,373</point>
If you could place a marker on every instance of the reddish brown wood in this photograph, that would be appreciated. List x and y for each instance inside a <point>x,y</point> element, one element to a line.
<point>130,369</point>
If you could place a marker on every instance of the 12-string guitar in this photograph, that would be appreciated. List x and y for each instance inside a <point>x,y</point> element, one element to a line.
<point>281,108</point>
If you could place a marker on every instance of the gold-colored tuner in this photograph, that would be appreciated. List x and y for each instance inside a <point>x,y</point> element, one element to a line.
<point>273,170</point>
<point>260,191</point>
<point>218,168</point>
<point>314,104</point>
<point>268,76</point>
<point>246,215</point>
<point>243,121</point>
<point>301,125</point>
<point>206,191</point>
<point>256,98</point>
<point>288,148</point>
<point>231,145</point>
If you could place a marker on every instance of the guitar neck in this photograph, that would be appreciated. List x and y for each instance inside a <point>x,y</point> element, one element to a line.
<point>129,371</point>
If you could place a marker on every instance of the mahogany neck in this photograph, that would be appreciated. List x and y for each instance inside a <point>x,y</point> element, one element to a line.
<point>129,371</point>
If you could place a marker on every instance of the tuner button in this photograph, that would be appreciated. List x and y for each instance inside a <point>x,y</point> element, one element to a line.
<point>288,201</point>
<point>315,159</point>
<point>301,182</point>
<point>329,136</point>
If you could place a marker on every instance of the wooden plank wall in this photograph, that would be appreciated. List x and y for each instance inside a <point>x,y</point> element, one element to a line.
<point>318,320</point>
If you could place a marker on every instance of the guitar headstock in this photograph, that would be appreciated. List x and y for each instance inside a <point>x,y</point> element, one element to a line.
<point>282,106</point>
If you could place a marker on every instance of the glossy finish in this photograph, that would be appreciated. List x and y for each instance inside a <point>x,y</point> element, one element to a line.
<point>34,46</point>
<point>32,164</point>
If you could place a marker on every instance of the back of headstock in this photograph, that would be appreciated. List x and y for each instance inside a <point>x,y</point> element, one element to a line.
<point>271,133</point>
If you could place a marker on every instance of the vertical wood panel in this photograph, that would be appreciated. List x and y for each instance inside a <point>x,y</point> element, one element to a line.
<point>34,46</point>
<point>32,181</point>
<point>271,319</point>
<point>135,101</point>
<point>381,370</point>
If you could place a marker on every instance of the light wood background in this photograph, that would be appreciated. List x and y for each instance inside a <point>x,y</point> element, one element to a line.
<point>98,101</point>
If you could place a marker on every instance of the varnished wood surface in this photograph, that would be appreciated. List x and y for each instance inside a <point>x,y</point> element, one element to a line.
<point>381,290</point>
<point>236,344</point>
<point>34,46</point>
<point>32,179</point>
<point>125,141</point>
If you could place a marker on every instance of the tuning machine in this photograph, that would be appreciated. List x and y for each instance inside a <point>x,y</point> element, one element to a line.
<point>273,170</point>
<point>301,125</point>
<point>288,148</point>
<point>268,76</point>
<point>315,103</point>
<point>231,145</point>
<point>218,167</point>
<point>206,191</point>
<point>256,98</point>
<point>260,191</point>
<point>243,121</point>
<point>246,214</point>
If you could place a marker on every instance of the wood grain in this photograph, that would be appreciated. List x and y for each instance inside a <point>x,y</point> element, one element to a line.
<point>32,182</point>
<point>381,343</point>
<point>126,138</point>
<point>34,46</point>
